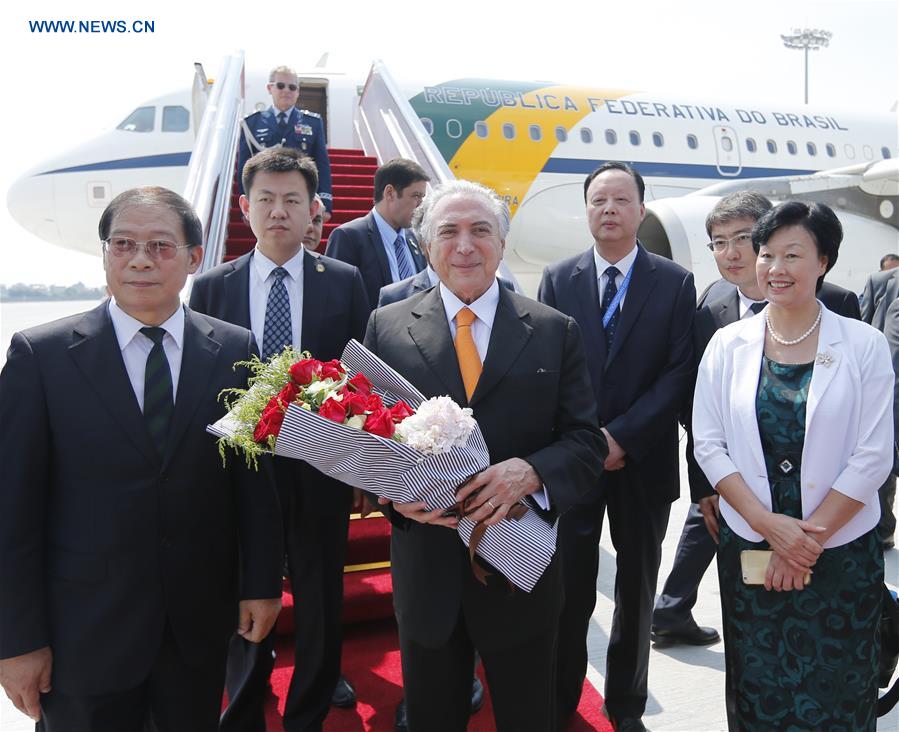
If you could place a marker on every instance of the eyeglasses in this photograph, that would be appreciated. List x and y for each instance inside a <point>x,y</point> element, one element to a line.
<point>281,85</point>
<point>156,249</point>
<point>740,241</point>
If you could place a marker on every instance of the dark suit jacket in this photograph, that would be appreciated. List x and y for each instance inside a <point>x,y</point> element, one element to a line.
<point>881,288</point>
<point>335,309</point>
<point>532,401</point>
<point>641,385</point>
<point>411,285</point>
<point>102,540</point>
<point>891,331</point>
<point>718,306</point>
<point>359,243</point>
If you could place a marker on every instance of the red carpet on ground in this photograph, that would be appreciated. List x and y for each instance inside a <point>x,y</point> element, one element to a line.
<point>371,661</point>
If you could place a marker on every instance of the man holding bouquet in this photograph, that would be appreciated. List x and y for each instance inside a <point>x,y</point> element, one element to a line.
<point>289,296</point>
<point>520,366</point>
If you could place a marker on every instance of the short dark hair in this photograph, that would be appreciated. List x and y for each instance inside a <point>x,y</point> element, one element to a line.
<point>817,219</point>
<point>739,205</point>
<point>888,258</point>
<point>616,165</point>
<point>281,160</point>
<point>399,173</point>
<point>154,196</point>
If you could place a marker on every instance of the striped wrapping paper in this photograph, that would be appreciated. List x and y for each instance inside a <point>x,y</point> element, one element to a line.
<point>520,550</point>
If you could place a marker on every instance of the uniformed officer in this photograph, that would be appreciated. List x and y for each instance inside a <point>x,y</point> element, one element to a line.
<point>284,124</point>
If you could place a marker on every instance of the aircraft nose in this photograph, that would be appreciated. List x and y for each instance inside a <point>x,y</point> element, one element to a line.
<point>32,204</point>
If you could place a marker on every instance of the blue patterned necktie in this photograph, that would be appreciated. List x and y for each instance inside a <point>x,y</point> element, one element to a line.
<point>607,296</point>
<point>159,404</point>
<point>757,307</point>
<point>277,332</point>
<point>404,269</point>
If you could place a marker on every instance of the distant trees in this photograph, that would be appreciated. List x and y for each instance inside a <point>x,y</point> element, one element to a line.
<point>78,291</point>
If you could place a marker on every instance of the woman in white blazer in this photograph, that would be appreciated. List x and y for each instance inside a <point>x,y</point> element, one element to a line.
<point>792,424</point>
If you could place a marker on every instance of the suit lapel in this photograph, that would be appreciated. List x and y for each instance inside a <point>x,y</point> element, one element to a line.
<point>377,244</point>
<point>418,259</point>
<point>509,334</point>
<point>823,375</point>
<point>197,364</point>
<point>315,296</point>
<point>727,309</point>
<point>431,334</point>
<point>421,282</point>
<point>586,297</point>
<point>96,352</point>
<point>643,281</point>
<point>237,292</point>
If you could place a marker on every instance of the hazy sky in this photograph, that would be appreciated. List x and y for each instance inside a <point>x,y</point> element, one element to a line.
<point>61,89</point>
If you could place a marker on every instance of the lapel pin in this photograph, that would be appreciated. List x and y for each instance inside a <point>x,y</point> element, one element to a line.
<point>823,359</point>
<point>319,267</point>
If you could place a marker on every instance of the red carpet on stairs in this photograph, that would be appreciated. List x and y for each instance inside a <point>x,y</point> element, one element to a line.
<point>371,661</point>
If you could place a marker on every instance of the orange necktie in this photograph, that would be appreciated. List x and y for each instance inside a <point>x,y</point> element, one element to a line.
<point>466,352</point>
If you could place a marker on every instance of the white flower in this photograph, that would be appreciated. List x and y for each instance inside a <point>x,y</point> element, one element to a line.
<point>438,426</point>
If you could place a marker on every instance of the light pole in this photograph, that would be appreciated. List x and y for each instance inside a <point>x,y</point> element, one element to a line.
<point>807,39</point>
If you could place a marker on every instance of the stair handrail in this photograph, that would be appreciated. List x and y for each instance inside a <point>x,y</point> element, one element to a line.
<point>387,127</point>
<point>211,170</point>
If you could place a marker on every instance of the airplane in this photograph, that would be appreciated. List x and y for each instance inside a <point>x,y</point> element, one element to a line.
<point>534,143</point>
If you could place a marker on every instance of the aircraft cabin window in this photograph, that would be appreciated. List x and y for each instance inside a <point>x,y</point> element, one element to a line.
<point>634,137</point>
<point>535,132</point>
<point>868,152</point>
<point>750,145</point>
<point>791,147</point>
<point>657,139</point>
<point>772,147</point>
<point>480,128</point>
<point>850,151</point>
<point>140,120</point>
<point>831,150</point>
<point>727,144</point>
<point>586,135</point>
<point>454,128</point>
<point>611,137</point>
<point>885,151</point>
<point>561,134</point>
<point>428,125</point>
<point>812,148</point>
<point>509,131</point>
<point>175,119</point>
<point>692,142</point>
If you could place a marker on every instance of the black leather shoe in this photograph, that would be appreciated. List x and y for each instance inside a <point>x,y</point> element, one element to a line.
<point>689,635</point>
<point>344,695</point>
<point>477,695</point>
<point>401,718</point>
<point>630,724</point>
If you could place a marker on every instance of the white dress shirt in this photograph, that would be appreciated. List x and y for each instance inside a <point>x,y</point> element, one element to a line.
<point>485,310</point>
<point>848,444</point>
<point>746,303</point>
<point>624,266</point>
<point>261,280</point>
<point>136,347</point>
<point>388,237</point>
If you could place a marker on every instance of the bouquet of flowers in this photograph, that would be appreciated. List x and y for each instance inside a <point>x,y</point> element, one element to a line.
<point>359,421</point>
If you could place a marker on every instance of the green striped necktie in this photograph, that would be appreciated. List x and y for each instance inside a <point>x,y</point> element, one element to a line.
<point>159,405</point>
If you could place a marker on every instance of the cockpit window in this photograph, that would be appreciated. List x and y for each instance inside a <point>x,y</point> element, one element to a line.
<point>140,120</point>
<point>175,119</point>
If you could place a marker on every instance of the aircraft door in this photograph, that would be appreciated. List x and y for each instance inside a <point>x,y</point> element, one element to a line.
<point>727,149</point>
<point>314,97</point>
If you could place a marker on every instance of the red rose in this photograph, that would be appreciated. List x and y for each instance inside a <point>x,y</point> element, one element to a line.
<point>303,371</point>
<point>269,424</point>
<point>333,410</point>
<point>288,394</point>
<point>374,403</point>
<point>400,411</point>
<point>332,369</point>
<point>355,403</point>
<point>360,384</point>
<point>380,423</point>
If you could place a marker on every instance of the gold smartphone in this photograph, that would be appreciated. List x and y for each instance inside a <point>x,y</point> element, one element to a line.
<point>754,563</point>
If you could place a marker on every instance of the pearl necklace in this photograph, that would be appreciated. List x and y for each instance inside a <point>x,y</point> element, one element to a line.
<point>784,341</point>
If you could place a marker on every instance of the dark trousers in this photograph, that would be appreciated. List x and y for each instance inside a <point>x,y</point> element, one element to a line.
<point>315,541</point>
<point>175,697</point>
<point>887,526</point>
<point>638,528</point>
<point>695,551</point>
<point>437,681</point>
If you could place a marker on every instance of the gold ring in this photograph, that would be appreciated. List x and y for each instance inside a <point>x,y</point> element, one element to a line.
<point>491,504</point>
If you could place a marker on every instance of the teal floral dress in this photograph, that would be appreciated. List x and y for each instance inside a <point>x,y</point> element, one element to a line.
<point>800,660</point>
